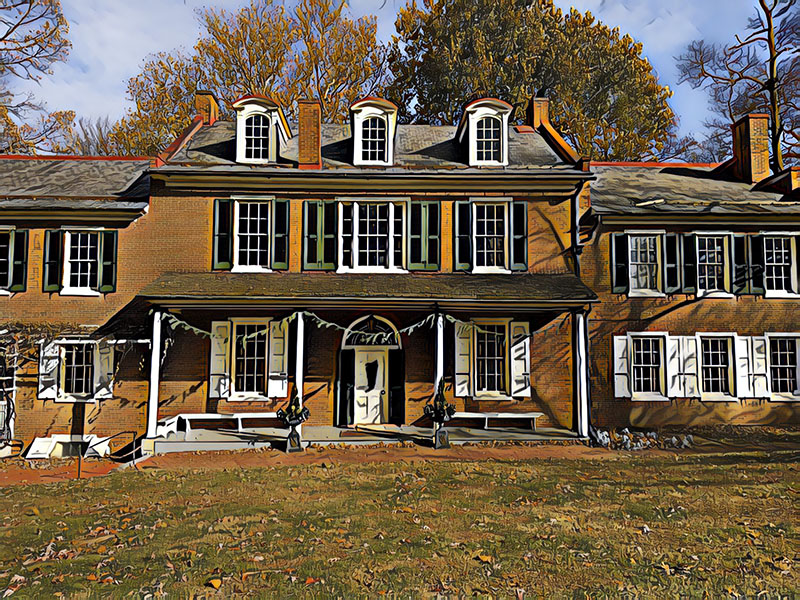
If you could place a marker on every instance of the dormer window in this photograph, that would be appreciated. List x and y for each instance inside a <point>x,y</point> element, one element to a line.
<point>483,132</point>
<point>373,123</point>
<point>261,130</point>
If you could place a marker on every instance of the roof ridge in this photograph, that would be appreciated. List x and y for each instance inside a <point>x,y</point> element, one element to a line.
<point>68,157</point>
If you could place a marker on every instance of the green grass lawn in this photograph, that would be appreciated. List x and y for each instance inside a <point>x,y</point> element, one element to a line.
<point>638,526</point>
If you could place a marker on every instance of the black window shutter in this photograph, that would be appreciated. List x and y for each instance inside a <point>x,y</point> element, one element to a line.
<point>423,236</point>
<point>311,258</point>
<point>672,265</point>
<point>434,235</point>
<point>619,263</point>
<point>519,236</point>
<point>19,260</point>
<point>108,262</point>
<point>740,266</point>
<point>756,264</point>
<point>463,235</point>
<point>53,263</point>
<point>280,234</point>
<point>689,255</point>
<point>319,242</point>
<point>223,234</point>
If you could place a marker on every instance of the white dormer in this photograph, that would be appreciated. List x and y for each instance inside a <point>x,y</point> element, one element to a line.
<point>484,130</point>
<point>373,121</point>
<point>261,130</point>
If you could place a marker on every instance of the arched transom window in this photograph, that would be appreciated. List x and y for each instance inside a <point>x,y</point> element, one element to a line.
<point>373,139</point>
<point>371,331</point>
<point>488,139</point>
<point>256,137</point>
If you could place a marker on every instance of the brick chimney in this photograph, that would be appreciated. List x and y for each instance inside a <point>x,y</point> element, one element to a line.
<point>538,112</point>
<point>206,106</point>
<point>310,134</point>
<point>751,148</point>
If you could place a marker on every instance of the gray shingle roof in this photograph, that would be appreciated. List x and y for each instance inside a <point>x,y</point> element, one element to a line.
<point>640,190</point>
<point>416,147</point>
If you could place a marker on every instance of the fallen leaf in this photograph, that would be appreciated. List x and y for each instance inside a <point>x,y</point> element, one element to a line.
<point>214,582</point>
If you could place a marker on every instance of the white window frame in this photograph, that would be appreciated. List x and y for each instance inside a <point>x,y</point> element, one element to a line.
<point>392,268</point>
<point>793,241</point>
<point>649,396</point>
<point>727,253</point>
<point>360,115</point>
<point>473,118</point>
<point>66,289</point>
<point>5,288</point>
<point>732,362</point>
<point>61,395</point>
<point>249,110</point>
<point>240,396</point>
<point>647,293</point>
<point>269,201</point>
<point>782,396</point>
<point>506,203</point>
<point>488,394</point>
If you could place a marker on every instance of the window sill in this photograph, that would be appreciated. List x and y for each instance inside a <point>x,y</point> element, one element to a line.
<point>371,270</point>
<point>490,270</point>
<point>248,269</point>
<point>784,398</point>
<point>88,292</point>
<point>718,398</point>
<point>714,294</point>
<point>646,294</point>
<point>64,399</point>
<point>497,397</point>
<point>649,398</point>
<point>5,292</point>
<point>247,397</point>
<point>771,295</point>
<point>372,163</point>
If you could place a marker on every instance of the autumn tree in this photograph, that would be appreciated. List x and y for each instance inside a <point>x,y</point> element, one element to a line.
<point>760,71</point>
<point>314,49</point>
<point>605,97</point>
<point>33,36</point>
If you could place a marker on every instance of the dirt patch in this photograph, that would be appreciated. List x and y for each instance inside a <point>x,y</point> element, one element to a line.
<point>18,471</point>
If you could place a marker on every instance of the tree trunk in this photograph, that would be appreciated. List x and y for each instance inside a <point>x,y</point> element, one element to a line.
<point>776,161</point>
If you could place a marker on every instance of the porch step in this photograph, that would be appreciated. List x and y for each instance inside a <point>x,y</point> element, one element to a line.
<point>163,446</point>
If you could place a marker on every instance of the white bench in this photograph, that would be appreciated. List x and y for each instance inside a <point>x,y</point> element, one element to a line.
<point>171,425</point>
<point>531,416</point>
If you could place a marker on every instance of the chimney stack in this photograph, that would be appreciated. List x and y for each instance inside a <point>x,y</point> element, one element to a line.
<point>538,112</point>
<point>751,148</point>
<point>310,134</point>
<point>206,106</point>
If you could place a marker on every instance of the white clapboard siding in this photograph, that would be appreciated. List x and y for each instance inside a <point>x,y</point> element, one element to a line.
<point>690,367</point>
<point>520,359</point>
<point>278,383</point>
<point>463,359</point>
<point>744,382</point>
<point>622,378</point>
<point>674,371</point>
<point>219,377</point>
<point>103,370</point>
<point>758,367</point>
<point>49,360</point>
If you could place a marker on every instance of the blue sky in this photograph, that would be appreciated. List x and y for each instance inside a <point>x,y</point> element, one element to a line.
<point>111,38</point>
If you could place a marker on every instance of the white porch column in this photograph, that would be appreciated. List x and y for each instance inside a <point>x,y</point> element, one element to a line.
<point>439,373</point>
<point>581,352</point>
<point>298,363</point>
<point>155,368</point>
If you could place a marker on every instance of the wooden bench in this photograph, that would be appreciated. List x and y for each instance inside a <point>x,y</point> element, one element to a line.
<point>531,416</point>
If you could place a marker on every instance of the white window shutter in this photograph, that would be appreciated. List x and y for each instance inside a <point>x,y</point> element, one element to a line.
<point>463,359</point>
<point>49,361</point>
<point>278,380</point>
<point>622,378</point>
<point>744,383</point>
<point>674,372</point>
<point>103,370</point>
<point>690,367</point>
<point>219,379</point>
<point>758,367</point>
<point>520,359</point>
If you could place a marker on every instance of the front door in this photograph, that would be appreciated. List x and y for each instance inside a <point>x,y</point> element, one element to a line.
<point>370,398</point>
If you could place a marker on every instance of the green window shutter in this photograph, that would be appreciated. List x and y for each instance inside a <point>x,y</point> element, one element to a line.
<point>108,262</point>
<point>689,255</point>
<point>319,241</point>
<point>519,236</point>
<point>53,260</point>
<point>463,235</point>
<point>280,234</point>
<point>223,234</point>
<point>672,264</point>
<point>423,236</point>
<point>757,263</point>
<point>19,260</point>
<point>619,263</point>
<point>740,280</point>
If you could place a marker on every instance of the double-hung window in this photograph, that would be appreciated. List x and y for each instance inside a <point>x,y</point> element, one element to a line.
<point>645,264</point>
<point>712,263</point>
<point>80,262</point>
<point>78,369</point>
<point>251,235</point>
<point>13,260</point>
<point>490,358</point>
<point>372,236</point>
<point>647,366</point>
<point>256,137</point>
<point>250,352</point>
<point>488,139</point>
<point>779,270</point>
<point>784,366</point>
<point>491,236</point>
<point>716,372</point>
<point>373,140</point>
<point>251,241</point>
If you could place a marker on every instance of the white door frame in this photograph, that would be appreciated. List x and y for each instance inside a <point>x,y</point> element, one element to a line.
<point>384,395</point>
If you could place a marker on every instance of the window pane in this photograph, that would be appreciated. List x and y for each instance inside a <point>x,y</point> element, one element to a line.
<point>716,365</point>
<point>778,263</point>
<point>711,263</point>
<point>487,139</point>
<point>490,235</point>
<point>251,358</point>
<point>373,234</point>
<point>253,234</point>
<point>647,362</point>
<point>783,365</point>
<point>78,368</point>
<point>83,259</point>
<point>644,262</point>
<point>490,358</point>
<point>373,139</point>
<point>5,261</point>
<point>256,137</point>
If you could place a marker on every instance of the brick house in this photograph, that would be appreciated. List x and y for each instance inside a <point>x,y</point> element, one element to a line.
<point>353,268</point>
